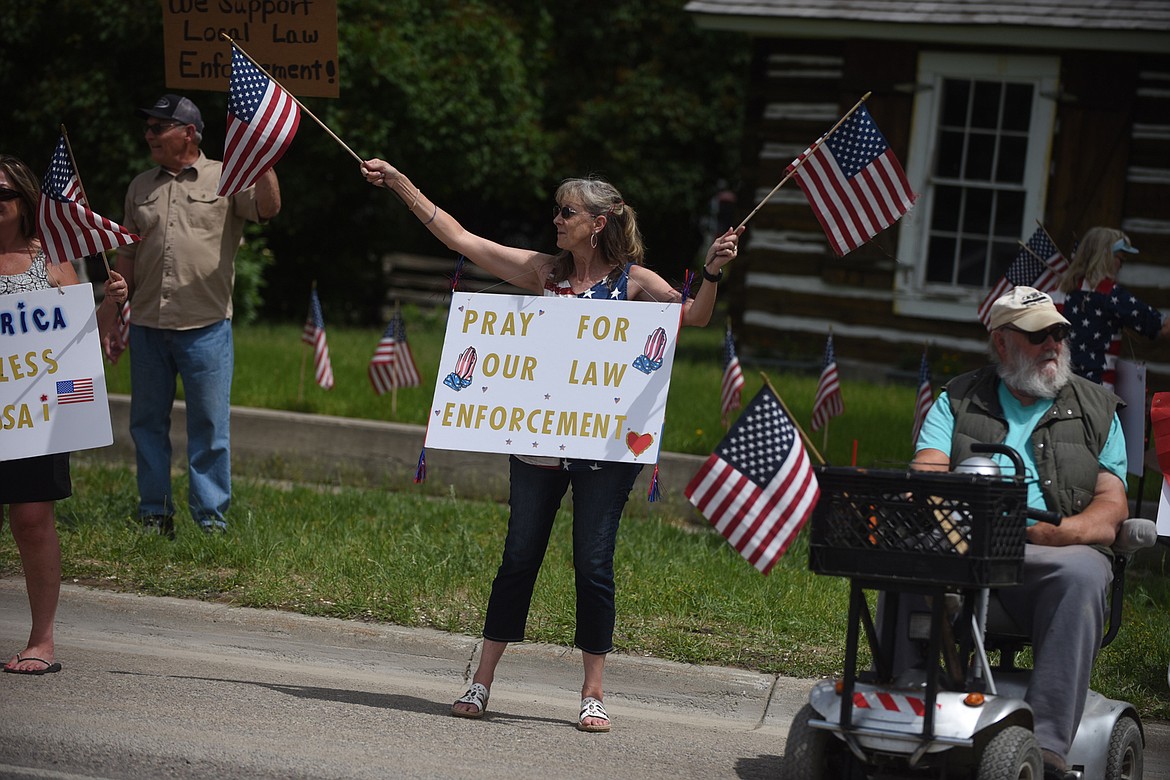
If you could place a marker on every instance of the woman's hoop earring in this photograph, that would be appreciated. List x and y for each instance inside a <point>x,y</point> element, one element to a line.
<point>593,240</point>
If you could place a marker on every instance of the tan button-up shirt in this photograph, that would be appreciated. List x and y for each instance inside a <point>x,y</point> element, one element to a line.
<point>184,267</point>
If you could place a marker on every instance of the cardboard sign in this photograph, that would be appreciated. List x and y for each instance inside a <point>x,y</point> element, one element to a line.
<point>52,381</point>
<point>554,377</point>
<point>295,41</point>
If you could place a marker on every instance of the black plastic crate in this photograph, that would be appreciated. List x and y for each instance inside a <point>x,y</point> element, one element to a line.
<point>923,527</point>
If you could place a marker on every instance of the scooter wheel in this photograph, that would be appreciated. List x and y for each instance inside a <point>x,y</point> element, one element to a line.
<point>815,754</point>
<point>1125,758</point>
<point>1012,753</point>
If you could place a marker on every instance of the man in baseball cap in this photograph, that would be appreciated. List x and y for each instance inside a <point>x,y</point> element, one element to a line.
<point>1066,431</point>
<point>175,108</point>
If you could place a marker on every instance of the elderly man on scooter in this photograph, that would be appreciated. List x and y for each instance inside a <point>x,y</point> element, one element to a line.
<point>1067,431</point>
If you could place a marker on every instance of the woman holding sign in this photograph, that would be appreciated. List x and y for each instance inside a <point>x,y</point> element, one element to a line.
<point>600,256</point>
<point>30,486</point>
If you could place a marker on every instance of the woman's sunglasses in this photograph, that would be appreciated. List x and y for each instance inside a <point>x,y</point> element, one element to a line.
<point>7,194</point>
<point>565,212</point>
<point>1057,333</point>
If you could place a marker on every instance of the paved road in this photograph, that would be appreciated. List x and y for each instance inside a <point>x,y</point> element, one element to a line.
<point>156,688</point>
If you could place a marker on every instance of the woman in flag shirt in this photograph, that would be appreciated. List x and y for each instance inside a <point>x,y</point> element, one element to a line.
<point>1099,308</point>
<point>600,256</point>
<point>31,486</point>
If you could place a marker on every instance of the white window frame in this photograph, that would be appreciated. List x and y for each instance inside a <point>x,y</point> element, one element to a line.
<point>913,296</point>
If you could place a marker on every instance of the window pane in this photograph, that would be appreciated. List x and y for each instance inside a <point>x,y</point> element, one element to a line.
<point>1009,214</point>
<point>949,163</point>
<point>985,108</point>
<point>946,210</point>
<point>980,154</point>
<point>977,212</point>
<point>954,109</point>
<point>1017,107</point>
<point>1013,154</point>
<point>940,260</point>
<point>972,261</point>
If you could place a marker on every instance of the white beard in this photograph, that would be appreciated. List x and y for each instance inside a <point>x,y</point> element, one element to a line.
<point>1036,379</point>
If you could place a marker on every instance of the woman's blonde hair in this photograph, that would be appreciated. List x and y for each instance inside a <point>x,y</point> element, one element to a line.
<point>1092,260</point>
<point>620,241</point>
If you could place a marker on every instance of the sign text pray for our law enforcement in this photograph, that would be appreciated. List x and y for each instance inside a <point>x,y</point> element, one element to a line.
<point>52,382</point>
<point>554,377</point>
<point>295,41</point>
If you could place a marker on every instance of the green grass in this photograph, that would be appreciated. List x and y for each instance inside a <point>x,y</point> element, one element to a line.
<point>271,361</point>
<point>404,558</point>
<point>683,594</point>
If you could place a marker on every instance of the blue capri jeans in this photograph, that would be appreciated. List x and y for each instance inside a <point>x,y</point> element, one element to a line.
<point>599,495</point>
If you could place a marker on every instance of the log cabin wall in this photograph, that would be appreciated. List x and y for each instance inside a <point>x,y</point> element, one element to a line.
<point>1110,165</point>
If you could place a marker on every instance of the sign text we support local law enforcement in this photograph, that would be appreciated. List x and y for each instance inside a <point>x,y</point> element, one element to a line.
<point>554,377</point>
<point>295,41</point>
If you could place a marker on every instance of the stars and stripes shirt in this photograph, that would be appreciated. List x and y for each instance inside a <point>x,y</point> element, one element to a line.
<point>1098,316</point>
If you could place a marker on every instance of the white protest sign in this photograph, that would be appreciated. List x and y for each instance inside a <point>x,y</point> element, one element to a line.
<point>1131,387</point>
<point>52,382</point>
<point>554,377</point>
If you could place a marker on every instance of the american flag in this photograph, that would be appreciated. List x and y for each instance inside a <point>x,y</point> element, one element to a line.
<point>314,333</point>
<point>261,121</point>
<point>393,364</point>
<point>74,391</point>
<point>828,402</point>
<point>757,488</point>
<point>1039,264</point>
<point>925,398</point>
<point>124,324</point>
<point>729,396</point>
<point>854,183</point>
<point>66,226</point>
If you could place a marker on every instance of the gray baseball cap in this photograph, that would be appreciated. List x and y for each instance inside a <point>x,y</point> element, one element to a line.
<point>177,108</point>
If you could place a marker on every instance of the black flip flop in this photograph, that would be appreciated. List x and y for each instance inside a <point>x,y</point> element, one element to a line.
<point>50,668</point>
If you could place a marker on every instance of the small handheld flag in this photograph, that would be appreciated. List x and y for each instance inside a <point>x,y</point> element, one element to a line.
<point>854,183</point>
<point>68,229</point>
<point>729,395</point>
<point>757,488</point>
<point>314,334</point>
<point>828,402</point>
<point>261,121</point>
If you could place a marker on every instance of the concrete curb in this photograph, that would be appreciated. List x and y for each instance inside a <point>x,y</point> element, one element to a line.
<point>371,454</point>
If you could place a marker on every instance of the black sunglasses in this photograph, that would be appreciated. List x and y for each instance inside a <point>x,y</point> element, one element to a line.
<point>7,194</point>
<point>1057,333</point>
<point>161,127</point>
<point>565,212</point>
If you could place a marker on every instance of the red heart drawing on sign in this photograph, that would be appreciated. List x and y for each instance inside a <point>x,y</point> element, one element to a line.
<point>638,442</point>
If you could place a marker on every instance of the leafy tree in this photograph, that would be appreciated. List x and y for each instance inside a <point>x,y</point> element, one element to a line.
<point>487,105</point>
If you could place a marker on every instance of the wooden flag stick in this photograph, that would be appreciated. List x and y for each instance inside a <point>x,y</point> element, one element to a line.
<point>80,186</point>
<point>1050,238</point>
<point>804,436</point>
<point>312,116</point>
<point>800,160</point>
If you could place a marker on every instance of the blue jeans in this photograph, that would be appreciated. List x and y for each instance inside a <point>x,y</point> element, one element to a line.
<point>598,499</point>
<point>204,358</point>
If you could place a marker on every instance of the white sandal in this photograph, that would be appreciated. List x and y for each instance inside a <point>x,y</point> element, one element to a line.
<point>477,696</point>
<point>592,708</point>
